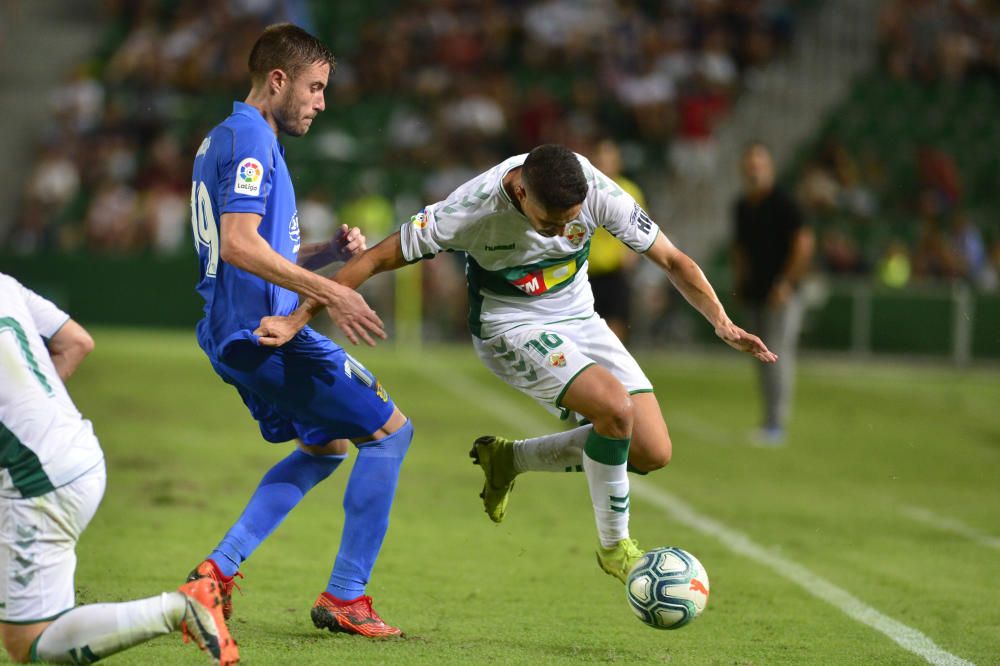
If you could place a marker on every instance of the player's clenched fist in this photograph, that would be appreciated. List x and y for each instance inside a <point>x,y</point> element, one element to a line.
<point>348,242</point>
<point>275,331</point>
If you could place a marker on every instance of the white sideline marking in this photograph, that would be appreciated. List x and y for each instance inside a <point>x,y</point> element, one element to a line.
<point>908,638</point>
<point>946,524</point>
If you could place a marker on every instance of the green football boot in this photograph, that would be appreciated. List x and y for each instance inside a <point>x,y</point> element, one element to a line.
<point>496,456</point>
<point>620,558</point>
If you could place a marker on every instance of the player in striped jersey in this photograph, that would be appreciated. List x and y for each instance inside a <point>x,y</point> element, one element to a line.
<point>525,226</point>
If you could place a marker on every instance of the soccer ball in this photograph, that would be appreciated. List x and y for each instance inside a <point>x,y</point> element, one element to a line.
<point>667,588</point>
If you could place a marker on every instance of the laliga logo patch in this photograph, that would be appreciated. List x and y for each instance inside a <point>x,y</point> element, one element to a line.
<point>557,360</point>
<point>420,220</point>
<point>249,174</point>
<point>575,233</point>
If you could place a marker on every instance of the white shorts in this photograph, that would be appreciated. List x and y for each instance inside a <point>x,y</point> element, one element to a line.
<point>542,360</point>
<point>38,539</point>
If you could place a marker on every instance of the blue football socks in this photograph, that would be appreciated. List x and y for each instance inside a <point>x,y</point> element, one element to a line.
<point>367,502</point>
<point>279,491</point>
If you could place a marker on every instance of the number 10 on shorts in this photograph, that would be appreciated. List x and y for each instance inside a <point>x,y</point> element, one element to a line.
<point>544,342</point>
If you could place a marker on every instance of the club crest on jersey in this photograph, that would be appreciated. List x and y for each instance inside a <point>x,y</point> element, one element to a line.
<point>557,360</point>
<point>575,233</point>
<point>420,220</point>
<point>249,175</point>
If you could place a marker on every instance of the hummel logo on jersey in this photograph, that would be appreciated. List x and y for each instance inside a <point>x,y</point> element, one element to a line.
<point>498,248</point>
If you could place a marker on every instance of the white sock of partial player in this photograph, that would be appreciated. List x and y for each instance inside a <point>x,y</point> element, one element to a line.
<point>558,452</point>
<point>604,461</point>
<point>88,633</point>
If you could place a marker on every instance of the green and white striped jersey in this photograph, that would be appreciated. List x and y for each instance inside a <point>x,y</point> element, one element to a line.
<point>517,276</point>
<point>44,440</point>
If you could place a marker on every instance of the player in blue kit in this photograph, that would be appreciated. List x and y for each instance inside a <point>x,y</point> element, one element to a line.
<point>247,235</point>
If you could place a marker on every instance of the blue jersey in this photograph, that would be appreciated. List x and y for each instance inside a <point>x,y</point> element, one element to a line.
<point>240,168</point>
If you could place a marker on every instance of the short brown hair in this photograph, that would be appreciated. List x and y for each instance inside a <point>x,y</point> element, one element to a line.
<point>289,48</point>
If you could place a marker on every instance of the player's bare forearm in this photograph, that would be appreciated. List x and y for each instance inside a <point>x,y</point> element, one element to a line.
<point>386,256</point>
<point>689,279</point>
<point>244,248</point>
<point>346,243</point>
<point>313,256</point>
<point>68,347</point>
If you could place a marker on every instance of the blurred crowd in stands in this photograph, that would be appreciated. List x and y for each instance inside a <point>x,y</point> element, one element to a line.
<point>932,40</point>
<point>937,240</point>
<point>428,93</point>
<point>933,226</point>
<point>468,82</point>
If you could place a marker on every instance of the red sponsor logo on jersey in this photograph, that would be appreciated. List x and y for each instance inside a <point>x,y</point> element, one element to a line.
<point>540,281</point>
<point>557,360</point>
<point>532,283</point>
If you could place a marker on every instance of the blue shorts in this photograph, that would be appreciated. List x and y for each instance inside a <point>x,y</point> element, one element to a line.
<point>310,389</point>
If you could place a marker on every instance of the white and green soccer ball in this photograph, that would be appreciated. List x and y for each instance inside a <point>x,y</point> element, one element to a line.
<point>667,588</point>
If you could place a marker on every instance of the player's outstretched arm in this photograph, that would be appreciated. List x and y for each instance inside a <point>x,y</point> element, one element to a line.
<point>243,247</point>
<point>345,244</point>
<point>689,279</point>
<point>68,347</point>
<point>386,256</point>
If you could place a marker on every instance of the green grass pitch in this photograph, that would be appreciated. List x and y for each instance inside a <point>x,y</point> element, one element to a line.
<point>888,489</point>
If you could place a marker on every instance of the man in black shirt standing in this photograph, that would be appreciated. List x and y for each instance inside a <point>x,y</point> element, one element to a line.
<point>772,252</point>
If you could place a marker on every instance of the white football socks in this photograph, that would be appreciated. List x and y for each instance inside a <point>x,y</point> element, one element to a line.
<point>604,461</point>
<point>558,452</point>
<point>91,632</point>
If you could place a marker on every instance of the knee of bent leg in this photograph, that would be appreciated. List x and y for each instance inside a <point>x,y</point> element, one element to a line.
<point>615,416</point>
